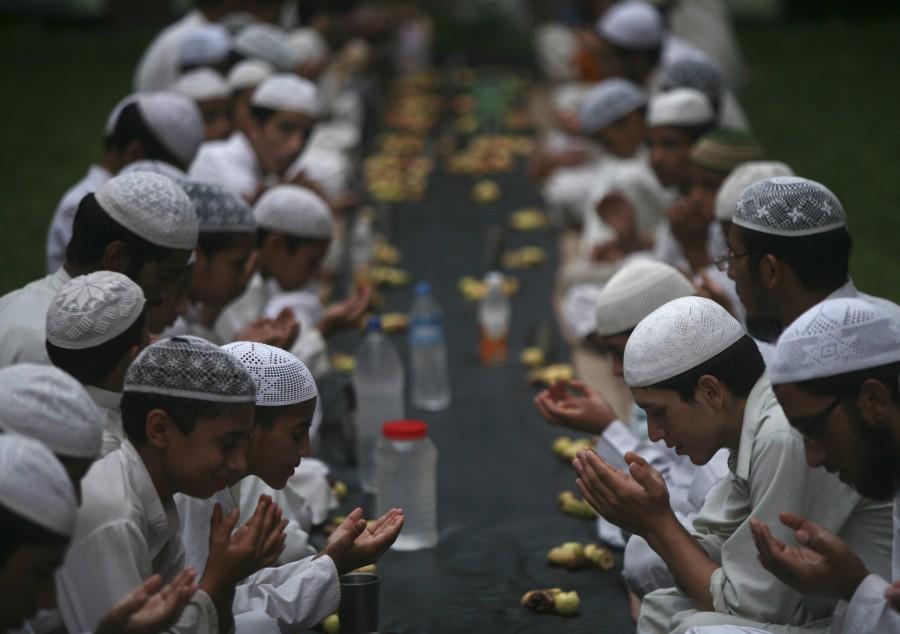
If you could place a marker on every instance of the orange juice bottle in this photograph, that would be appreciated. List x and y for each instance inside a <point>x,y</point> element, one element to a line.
<point>493,318</point>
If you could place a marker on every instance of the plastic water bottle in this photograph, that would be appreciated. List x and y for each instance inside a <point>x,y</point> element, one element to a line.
<point>378,383</point>
<point>406,466</point>
<point>493,318</point>
<point>362,243</point>
<point>428,352</point>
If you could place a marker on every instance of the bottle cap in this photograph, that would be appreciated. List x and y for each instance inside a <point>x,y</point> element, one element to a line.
<point>405,430</point>
<point>423,288</point>
<point>374,324</point>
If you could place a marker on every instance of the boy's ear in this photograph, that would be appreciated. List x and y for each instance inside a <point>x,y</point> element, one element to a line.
<point>158,428</point>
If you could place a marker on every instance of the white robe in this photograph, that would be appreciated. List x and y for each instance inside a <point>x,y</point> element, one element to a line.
<point>60,231</point>
<point>231,163</point>
<point>23,316</point>
<point>124,535</point>
<point>110,405</point>
<point>159,66</point>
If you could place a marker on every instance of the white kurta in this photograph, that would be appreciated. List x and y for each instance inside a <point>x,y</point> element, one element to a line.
<point>60,231</point>
<point>159,66</point>
<point>23,316</point>
<point>768,475</point>
<point>301,591</point>
<point>231,163</point>
<point>110,406</point>
<point>124,535</point>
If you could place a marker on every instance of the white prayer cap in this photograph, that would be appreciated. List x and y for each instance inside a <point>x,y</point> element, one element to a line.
<point>329,169</point>
<point>307,45</point>
<point>202,84</point>
<point>152,206</point>
<point>677,337</point>
<point>219,209</point>
<point>740,179</point>
<point>190,367</point>
<point>609,101</point>
<point>636,290</point>
<point>579,309</point>
<point>789,206</point>
<point>703,74</point>
<point>249,73</point>
<point>157,167</point>
<point>280,377</point>
<point>204,44</point>
<point>556,46</point>
<point>295,211</point>
<point>35,486</point>
<point>175,121</point>
<point>838,336</point>
<point>633,25</point>
<point>287,92</point>
<point>43,402</point>
<point>266,42</point>
<point>113,117</point>
<point>92,309</point>
<point>680,107</point>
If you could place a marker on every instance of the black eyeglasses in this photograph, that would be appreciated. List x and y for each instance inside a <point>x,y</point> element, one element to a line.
<point>724,262</point>
<point>812,425</point>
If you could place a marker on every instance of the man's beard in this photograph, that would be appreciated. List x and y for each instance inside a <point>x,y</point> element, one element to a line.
<point>766,329</point>
<point>880,468</point>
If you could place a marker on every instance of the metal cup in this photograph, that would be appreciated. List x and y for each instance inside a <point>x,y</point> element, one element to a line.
<point>359,603</point>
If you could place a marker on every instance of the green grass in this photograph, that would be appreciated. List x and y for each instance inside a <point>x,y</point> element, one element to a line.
<point>822,97</point>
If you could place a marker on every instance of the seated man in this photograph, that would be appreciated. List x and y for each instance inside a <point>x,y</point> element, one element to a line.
<point>702,382</point>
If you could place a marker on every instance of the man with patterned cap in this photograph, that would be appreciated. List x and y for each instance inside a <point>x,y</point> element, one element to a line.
<point>294,229</point>
<point>283,109</point>
<point>836,373</point>
<point>140,224</point>
<point>161,127</point>
<point>702,382</point>
<point>788,250</point>
<point>302,590</point>
<point>96,326</point>
<point>209,90</point>
<point>182,396</point>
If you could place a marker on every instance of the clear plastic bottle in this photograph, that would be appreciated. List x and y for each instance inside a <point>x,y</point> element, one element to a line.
<point>378,383</point>
<point>493,319</point>
<point>362,243</point>
<point>406,467</point>
<point>428,352</point>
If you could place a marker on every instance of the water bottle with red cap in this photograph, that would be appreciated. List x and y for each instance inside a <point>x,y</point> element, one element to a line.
<point>406,477</point>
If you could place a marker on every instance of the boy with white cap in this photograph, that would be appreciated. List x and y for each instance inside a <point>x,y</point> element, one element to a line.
<point>96,326</point>
<point>205,45</point>
<point>303,590</point>
<point>847,406</point>
<point>283,109</point>
<point>788,250</point>
<point>212,95</point>
<point>243,78</point>
<point>187,409</point>
<point>705,75</point>
<point>140,224</point>
<point>160,127</point>
<point>702,382</point>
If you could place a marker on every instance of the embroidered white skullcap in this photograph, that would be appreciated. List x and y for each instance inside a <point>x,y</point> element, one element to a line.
<point>287,92</point>
<point>201,84</point>
<point>838,336</point>
<point>204,44</point>
<point>609,101</point>
<point>329,169</point>
<point>680,107</point>
<point>789,206</point>
<point>219,209</point>
<point>152,206</point>
<point>249,73</point>
<point>556,46</point>
<point>266,42</point>
<point>636,290</point>
<point>190,367</point>
<point>579,309</point>
<point>740,179</point>
<point>114,114</point>
<point>307,45</point>
<point>91,309</point>
<point>157,167</point>
<point>175,121</point>
<point>280,377</point>
<point>43,402</point>
<point>677,337</point>
<point>294,210</point>
<point>633,25</point>
<point>35,486</point>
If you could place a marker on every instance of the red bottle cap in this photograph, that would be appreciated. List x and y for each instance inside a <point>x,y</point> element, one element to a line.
<point>405,430</point>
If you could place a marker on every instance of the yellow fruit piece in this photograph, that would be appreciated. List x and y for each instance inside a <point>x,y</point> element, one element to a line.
<point>389,276</point>
<point>340,490</point>
<point>532,357</point>
<point>567,603</point>
<point>394,322</point>
<point>343,362</point>
<point>570,505</point>
<point>332,624</point>
<point>486,191</point>
<point>369,568</point>
<point>528,219</point>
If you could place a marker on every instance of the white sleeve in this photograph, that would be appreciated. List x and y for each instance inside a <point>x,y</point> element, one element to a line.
<point>868,611</point>
<point>618,439</point>
<point>302,593</point>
